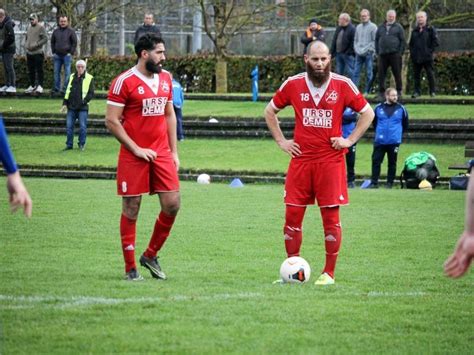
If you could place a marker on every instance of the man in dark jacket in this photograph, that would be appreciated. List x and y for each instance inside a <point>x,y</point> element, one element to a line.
<point>79,93</point>
<point>423,42</point>
<point>390,122</point>
<point>63,46</point>
<point>313,32</point>
<point>342,47</point>
<point>147,27</point>
<point>7,50</point>
<point>389,46</point>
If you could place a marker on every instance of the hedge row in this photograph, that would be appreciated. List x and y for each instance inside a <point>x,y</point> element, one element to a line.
<point>455,72</point>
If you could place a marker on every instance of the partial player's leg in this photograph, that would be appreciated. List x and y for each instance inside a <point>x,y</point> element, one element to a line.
<point>298,194</point>
<point>293,229</point>
<point>332,237</point>
<point>128,222</point>
<point>132,181</point>
<point>170,202</point>
<point>331,192</point>
<point>164,181</point>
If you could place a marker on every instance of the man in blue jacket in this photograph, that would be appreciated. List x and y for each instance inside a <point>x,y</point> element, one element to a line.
<point>391,120</point>
<point>178,101</point>
<point>349,120</point>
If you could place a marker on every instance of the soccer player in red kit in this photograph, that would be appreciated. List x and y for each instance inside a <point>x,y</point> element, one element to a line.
<point>317,170</point>
<point>140,115</point>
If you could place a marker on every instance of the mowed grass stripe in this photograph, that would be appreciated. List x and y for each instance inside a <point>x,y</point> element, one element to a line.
<point>391,295</point>
<point>212,108</point>
<point>259,155</point>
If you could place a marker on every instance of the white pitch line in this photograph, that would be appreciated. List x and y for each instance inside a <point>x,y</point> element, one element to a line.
<point>13,302</point>
<point>396,294</point>
<point>18,302</point>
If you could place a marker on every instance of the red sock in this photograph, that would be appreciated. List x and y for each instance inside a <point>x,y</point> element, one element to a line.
<point>332,237</point>
<point>161,231</point>
<point>293,230</point>
<point>128,234</point>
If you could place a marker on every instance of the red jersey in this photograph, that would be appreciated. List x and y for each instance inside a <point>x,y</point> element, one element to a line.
<point>143,100</point>
<point>318,112</point>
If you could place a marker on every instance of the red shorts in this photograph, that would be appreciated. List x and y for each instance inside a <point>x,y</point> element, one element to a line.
<point>324,182</point>
<point>137,176</point>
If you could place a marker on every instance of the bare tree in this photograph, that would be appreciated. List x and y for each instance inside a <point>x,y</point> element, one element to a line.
<point>223,20</point>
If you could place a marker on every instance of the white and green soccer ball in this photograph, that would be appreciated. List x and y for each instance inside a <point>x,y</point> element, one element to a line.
<point>295,269</point>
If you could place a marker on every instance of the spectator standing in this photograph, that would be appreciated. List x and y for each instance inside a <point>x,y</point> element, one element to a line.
<point>79,92</point>
<point>349,121</point>
<point>423,42</point>
<point>389,46</point>
<point>313,32</point>
<point>342,47</point>
<point>7,49</point>
<point>178,101</point>
<point>36,38</point>
<point>364,47</point>
<point>147,27</point>
<point>390,122</point>
<point>63,46</point>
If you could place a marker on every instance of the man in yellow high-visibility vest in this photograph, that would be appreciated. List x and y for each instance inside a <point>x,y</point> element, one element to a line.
<point>79,93</point>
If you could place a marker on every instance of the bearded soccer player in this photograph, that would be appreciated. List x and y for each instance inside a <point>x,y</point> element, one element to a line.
<point>140,115</point>
<point>317,171</point>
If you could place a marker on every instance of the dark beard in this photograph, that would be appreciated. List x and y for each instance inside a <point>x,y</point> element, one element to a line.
<point>318,78</point>
<point>152,67</point>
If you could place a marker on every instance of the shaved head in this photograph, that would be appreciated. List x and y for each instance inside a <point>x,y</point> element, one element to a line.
<point>318,46</point>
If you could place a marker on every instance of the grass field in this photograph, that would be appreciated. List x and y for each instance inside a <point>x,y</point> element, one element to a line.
<point>224,154</point>
<point>61,289</point>
<point>229,108</point>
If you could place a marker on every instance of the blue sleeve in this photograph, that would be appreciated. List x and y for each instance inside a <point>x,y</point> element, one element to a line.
<point>6,156</point>
<point>349,116</point>
<point>405,119</point>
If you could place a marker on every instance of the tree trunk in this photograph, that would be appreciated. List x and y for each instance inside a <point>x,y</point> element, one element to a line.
<point>85,41</point>
<point>221,75</point>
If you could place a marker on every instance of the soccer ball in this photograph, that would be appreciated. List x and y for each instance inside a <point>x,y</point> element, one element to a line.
<point>204,179</point>
<point>295,270</point>
<point>425,185</point>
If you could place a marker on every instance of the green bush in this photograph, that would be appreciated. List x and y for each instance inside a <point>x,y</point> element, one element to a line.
<point>454,72</point>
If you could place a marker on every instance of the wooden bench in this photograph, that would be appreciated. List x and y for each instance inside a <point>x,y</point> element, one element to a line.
<point>468,153</point>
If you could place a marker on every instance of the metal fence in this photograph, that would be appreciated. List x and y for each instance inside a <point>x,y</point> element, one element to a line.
<point>261,44</point>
